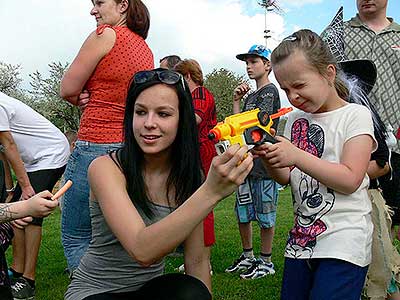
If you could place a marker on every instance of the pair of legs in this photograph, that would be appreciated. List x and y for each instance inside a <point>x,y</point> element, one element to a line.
<point>256,200</point>
<point>26,242</point>
<point>246,235</point>
<point>76,230</point>
<point>26,245</point>
<point>166,287</point>
<point>322,278</point>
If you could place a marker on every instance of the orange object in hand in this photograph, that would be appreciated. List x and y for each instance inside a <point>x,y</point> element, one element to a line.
<point>62,190</point>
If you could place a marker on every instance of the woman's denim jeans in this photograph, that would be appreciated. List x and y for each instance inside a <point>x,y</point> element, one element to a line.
<point>76,230</point>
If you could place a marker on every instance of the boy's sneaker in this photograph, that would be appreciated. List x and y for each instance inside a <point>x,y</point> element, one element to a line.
<point>21,290</point>
<point>258,269</point>
<point>241,264</point>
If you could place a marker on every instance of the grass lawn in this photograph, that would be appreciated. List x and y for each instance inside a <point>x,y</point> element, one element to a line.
<point>51,282</point>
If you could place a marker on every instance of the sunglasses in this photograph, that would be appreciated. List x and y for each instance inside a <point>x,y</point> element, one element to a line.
<point>163,75</point>
<point>291,38</point>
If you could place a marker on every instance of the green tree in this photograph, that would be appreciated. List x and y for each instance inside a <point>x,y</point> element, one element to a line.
<point>43,95</point>
<point>221,83</point>
<point>47,101</point>
<point>10,80</point>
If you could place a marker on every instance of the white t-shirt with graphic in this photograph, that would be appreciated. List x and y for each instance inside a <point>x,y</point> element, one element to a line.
<point>329,224</point>
<point>41,145</point>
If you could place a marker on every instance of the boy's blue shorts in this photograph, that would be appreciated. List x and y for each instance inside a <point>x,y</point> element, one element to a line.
<point>256,200</point>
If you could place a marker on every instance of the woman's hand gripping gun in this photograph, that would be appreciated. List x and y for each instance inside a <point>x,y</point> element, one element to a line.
<point>250,128</point>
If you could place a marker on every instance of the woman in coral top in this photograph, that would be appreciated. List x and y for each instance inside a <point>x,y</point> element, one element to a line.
<point>97,81</point>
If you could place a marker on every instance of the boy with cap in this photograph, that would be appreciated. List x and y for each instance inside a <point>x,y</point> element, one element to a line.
<point>256,198</point>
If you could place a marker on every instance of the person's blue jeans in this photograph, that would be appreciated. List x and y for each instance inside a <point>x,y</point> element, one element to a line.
<point>76,230</point>
<point>322,278</point>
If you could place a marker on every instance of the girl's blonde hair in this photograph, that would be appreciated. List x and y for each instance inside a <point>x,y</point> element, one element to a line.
<point>315,51</point>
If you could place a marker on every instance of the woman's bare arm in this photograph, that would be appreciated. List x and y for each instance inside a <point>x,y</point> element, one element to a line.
<point>93,50</point>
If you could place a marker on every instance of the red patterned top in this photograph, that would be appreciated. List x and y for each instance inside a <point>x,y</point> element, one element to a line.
<point>102,120</point>
<point>204,107</point>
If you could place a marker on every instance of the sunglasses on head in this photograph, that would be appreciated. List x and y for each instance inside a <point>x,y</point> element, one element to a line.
<point>290,38</point>
<point>163,75</point>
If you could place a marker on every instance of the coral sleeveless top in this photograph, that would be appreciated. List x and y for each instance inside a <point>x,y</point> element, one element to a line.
<point>102,120</point>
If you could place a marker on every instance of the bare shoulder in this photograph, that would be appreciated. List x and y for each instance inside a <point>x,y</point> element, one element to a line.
<point>102,42</point>
<point>108,36</point>
<point>102,162</point>
<point>104,32</point>
<point>105,168</point>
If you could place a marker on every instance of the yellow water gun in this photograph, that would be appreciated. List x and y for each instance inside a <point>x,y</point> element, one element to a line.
<point>247,128</point>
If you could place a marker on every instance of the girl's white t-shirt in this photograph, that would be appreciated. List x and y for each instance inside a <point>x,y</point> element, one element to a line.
<point>41,145</point>
<point>329,224</point>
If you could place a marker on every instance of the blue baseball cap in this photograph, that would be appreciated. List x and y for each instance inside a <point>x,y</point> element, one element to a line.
<point>257,50</point>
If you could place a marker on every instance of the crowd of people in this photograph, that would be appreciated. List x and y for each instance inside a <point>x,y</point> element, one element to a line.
<point>146,177</point>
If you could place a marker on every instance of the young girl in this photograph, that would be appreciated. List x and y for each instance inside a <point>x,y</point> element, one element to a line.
<point>325,161</point>
<point>146,199</point>
<point>39,205</point>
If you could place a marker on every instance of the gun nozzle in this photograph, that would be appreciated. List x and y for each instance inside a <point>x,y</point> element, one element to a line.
<point>211,136</point>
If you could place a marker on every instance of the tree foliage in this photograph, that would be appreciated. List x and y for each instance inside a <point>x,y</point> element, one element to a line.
<point>221,83</point>
<point>10,79</point>
<point>43,95</point>
<point>47,101</point>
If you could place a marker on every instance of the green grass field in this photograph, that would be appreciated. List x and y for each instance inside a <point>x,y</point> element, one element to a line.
<point>51,281</point>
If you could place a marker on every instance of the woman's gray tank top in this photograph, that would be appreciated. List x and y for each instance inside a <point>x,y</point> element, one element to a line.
<point>106,266</point>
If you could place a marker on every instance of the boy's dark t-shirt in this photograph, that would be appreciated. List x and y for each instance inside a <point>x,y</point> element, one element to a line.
<point>266,99</point>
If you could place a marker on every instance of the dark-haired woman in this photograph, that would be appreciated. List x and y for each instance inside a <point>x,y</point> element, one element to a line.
<point>147,198</point>
<point>97,81</point>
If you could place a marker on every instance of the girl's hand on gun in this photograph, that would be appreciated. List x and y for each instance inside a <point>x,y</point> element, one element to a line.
<point>229,170</point>
<point>279,155</point>
<point>260,151</point>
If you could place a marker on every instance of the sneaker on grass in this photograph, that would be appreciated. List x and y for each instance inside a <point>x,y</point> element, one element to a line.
<point>21,290</point>
<point>240,265</point>
<point>258,269</point>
